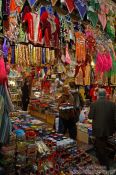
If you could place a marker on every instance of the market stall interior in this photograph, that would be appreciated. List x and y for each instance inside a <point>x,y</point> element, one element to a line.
<point>57,70</point>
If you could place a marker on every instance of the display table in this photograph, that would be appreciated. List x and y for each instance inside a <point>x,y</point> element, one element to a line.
<point>50,119</point>
<point>36,148</point>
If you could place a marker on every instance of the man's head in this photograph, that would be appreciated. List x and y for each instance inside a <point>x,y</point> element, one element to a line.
<point>101,93</point>
<point>66,89</point>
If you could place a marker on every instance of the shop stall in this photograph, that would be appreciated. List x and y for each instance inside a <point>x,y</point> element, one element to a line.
<point>50,44</point>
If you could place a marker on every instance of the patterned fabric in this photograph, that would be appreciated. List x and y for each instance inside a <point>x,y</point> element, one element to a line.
<point>1,108</point>
<point>6,7</point>
<point>1,26</point>
<point>79,79</point>
<point>87,75</point>
<point>13,55</point>
<point>43,56</point>
<point>80,47</point>
<point>15,6</point>
<point>5,128</point>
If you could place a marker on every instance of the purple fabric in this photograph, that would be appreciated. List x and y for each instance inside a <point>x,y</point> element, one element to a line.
<point>43,56</point>
<point>81,6</point>
<point>13,55</point>
<point>6,7</point>
<point>5,49</point>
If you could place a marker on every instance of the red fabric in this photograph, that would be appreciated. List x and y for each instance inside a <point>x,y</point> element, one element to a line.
<point>82,66</point>
<point>46,28</point>
<point>108,91</point>
<point>47,33</point>
<point>29,19</point>
<point>93,94</point>
<point>45,86</point>
<point>3,75</point>
<point>44,16</point>
<point>70,5</point>
<point>56,33</point>
<point>14,7</point>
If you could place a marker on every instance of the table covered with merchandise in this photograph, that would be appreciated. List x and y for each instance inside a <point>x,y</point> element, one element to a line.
<point>36,149</point>
<point>44,108</point>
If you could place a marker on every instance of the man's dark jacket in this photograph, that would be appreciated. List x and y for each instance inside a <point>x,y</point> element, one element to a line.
<point>103,113</point>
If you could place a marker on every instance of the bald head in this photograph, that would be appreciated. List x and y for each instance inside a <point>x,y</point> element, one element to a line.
<point>102,93</point>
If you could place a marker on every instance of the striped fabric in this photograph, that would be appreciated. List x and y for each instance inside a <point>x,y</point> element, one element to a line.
<point>5,128</point>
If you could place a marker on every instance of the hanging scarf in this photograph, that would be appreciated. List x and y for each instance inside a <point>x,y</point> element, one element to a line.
<point>110,30</point>
<point>1,108</point>
<point>6,46</point>
<point>13,55</point>
<point>3,75</point>
<point>6,7</point>
<point>93,17</point>
<point>68,59</point>
<point>43,56</point>
<point>102,19</point>
<point>70,5</point>
<point>81,7</point>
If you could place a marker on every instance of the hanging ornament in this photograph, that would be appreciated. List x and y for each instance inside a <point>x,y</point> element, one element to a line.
<point>93,17</point>
<point>70,5</point>
<point>32,2</point>
<point>81,7</point>
<point>102,15</point>
<point>102,19</point>
<point>54,2</point>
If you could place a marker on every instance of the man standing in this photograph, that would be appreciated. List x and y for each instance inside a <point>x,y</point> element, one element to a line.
<point>103,114</point>
<point>67,112</point>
